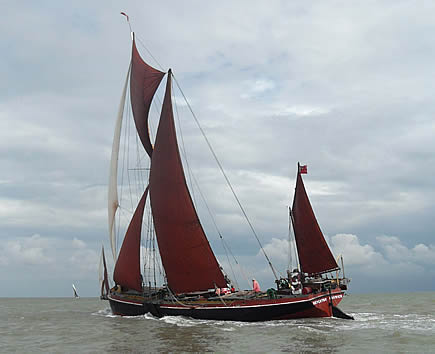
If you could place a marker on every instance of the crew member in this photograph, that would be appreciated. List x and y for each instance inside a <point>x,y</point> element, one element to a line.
<point>255,286</point>
<point>296,285</point>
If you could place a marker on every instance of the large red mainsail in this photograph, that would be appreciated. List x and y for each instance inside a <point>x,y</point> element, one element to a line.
<point>144,81</point>
<point>127,267</point>
<point>187,257</point>
<point>315,257</point>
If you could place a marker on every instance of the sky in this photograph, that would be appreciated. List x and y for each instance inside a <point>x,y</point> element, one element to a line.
<point>344,87</point>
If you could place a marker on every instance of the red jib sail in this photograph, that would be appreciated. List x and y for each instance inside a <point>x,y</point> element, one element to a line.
<point>144,81</point>
<point>315,257</point>
<point>127,267</point>
<point>188,260</point>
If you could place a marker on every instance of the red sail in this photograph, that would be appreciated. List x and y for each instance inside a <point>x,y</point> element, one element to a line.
<point>144,81</point>
<point>314,254</point>
<point>105,283</point>
<point>188,260</point>
<point>127,267</point>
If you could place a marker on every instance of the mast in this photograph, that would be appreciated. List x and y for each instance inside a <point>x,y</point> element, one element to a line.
<point>315,257</point>
<point>342,265</point>
<point>189,262</point>
<point>144,81</point>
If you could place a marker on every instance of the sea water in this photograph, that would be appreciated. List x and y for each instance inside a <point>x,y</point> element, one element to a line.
<point>384,323</point>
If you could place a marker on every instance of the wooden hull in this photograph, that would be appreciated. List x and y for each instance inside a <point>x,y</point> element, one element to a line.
<point>252,310</point>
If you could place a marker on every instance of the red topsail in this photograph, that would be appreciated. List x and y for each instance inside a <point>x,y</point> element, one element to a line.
<point>188,260</point>
<point>144,81</point>
<point>315,257</point>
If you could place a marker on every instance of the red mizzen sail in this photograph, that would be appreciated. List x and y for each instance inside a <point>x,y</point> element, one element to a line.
<point>144,81</point>
<point>187,257</point>
<point>315,257</point>
<point>127,267</point>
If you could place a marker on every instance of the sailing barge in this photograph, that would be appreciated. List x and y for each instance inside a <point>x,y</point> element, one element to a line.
<point>193,276</point>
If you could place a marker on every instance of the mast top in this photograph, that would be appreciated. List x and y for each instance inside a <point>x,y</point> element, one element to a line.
<point>128,20</point>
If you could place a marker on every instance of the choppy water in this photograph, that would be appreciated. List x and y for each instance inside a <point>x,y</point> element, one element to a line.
<point>383,323</point>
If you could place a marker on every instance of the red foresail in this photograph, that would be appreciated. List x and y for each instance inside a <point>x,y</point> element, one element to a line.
<point>144,81</point>
<point>127,267</point>
<point>314,254</point>
<point>187,257</point>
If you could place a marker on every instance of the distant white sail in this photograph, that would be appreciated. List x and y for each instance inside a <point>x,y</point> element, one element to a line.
<point>75,291</point>
<point>113,179</point>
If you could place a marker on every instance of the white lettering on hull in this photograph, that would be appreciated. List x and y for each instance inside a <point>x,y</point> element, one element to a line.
<point>316,302</point>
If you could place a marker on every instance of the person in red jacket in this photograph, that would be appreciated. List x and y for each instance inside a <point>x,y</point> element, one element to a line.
<point>255,286</point>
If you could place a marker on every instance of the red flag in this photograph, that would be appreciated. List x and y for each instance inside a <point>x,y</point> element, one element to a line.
<point>303,169</point>
<point>123,13</point>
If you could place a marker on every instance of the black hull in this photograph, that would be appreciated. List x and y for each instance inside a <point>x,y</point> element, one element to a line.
<point>246,313</point>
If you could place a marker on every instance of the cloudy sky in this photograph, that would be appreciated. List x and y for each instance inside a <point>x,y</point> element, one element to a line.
<point>345,87</point>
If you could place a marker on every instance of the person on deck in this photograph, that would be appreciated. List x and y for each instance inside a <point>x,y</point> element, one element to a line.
<point>255,286</point>
<point>296,284</point>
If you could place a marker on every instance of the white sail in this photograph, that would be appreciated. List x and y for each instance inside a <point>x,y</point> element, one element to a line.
<point>113,179</point>
<point>75,291</point>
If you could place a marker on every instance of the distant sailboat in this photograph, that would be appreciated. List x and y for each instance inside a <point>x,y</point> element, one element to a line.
<point>76,295</point>
<point>193,278</point>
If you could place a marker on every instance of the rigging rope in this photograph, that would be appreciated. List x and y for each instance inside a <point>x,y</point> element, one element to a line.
<point>226,178</point>
<point>217,229</point>
<point>216,159</point>
<point>183,148</point>
<point>158,64</point>
<point>192,177</point>
<point>290,260</point>
<point>131,33</point>
<point>178,301</point>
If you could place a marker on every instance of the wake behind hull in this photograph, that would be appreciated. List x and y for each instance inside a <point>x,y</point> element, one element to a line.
<point>318,305</point>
